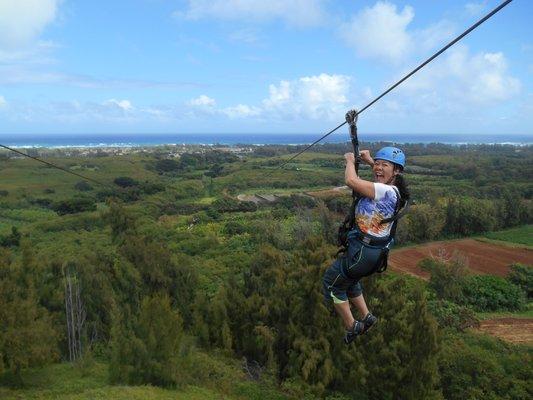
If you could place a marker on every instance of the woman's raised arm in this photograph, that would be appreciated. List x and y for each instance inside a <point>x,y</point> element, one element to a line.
<point>364,188</point>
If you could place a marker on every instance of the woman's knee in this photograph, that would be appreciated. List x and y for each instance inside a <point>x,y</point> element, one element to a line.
<point>355,290</point>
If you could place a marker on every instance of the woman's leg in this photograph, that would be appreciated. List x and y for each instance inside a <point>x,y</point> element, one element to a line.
<point>343,309</point>
<point>360,304</point>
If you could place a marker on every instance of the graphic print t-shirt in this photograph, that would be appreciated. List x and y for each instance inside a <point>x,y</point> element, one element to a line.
<point>370,212</point>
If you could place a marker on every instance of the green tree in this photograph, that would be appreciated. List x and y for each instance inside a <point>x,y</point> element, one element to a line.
<point>466,216</point>
<point>27,335</point>
<point>120,219</point>
<point>447,278</point>
<point>151,350</point>
<point>426,222</point>
<point>283,324</point>
<point>160,271</point>
<point>404,344</point>
<point>474,367</point>
<point>522,276</point>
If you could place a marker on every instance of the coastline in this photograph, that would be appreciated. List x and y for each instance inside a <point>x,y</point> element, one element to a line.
<point>84,141</point>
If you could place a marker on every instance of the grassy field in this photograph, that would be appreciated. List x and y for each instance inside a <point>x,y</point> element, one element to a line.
<point>527,313</point>
<point>520,235</point>
<point>223,380</point>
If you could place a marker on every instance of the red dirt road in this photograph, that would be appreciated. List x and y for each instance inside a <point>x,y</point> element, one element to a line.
<point>514,330</point>
<point>481,257</point>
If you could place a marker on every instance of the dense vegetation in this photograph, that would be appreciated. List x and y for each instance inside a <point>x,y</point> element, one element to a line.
<point>164,266</point>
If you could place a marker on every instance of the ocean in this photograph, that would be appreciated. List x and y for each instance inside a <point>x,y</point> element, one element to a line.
<point>133,140</point>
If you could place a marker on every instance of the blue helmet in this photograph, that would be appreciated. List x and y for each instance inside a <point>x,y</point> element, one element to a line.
<point>392,154</point>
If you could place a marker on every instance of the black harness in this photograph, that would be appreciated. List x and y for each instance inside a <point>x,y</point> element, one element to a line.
<point>349,223</point>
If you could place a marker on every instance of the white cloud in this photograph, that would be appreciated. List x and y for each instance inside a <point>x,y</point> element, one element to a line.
<point>22,21</point>
<point>436,35</point>
<point>310,97</point>
<point>202,101</point>
<point>380,32</point>
<point>314,97</point>
<point>293,12</point>
<point>124,105</point>
<point>475,9</point>
<point>241,111</point>
<point>459,82</point>
<point>489,81</point>
<point>279,95</point>
<point>23,55</point>
<point>3,102</point>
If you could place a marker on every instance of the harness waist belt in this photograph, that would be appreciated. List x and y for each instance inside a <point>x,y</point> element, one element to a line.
<point>371,240</point>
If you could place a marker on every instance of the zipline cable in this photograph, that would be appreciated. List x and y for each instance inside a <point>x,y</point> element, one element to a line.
<point>56,166</point>
<point>107,185</point>
<point>482,20</point>
<point>462,35</point>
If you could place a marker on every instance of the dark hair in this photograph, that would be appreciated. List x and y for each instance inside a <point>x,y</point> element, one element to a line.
<point>401,184</point>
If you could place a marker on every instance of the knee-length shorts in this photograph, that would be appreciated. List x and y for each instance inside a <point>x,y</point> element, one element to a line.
<point>342,280</point>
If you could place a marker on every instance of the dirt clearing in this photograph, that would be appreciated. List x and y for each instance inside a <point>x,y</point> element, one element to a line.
<point>481,257</point>
<point>514,330</point>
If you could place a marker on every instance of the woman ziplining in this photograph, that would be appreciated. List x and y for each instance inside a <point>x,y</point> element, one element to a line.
<point>368,231</point>
<point>370,236</point>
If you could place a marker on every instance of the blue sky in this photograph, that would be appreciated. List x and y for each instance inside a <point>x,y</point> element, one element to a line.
<point>283,66</point>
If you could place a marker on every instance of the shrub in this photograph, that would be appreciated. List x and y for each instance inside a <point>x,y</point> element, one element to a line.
<point>125,181</point>
<point>453,316</point>
<point>295,201</point>
<point>74,205</point>
<point>339,204</point>
<point>522,276</point>
<point>152,187</point>
<point>480,367</point>
<point>126,195</point>
<point>234,228</point>
<point>11,240</point>
<point>83,186</point>
<point>167,165</point>
<point>3,193</point>
<point>180,208</point>
<point>492,293</point>
<point>46,203</point>
<point>188,189</point>
<point>227,204</point>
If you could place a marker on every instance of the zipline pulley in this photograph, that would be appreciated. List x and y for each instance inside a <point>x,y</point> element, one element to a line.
<point>351,119</point>
<point>349,222</point>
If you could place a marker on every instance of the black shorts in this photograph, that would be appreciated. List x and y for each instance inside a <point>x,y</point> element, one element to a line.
<point>341,280</point>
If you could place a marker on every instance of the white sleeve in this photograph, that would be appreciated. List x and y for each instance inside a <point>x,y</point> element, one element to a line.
<point>380,189</point>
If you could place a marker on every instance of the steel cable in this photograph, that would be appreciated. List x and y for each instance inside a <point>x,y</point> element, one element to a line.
<point>438,53</point>
<point>482,20</point>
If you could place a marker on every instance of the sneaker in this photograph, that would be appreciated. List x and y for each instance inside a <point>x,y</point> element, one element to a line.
<point>368,322</point>
<point>357,329</point>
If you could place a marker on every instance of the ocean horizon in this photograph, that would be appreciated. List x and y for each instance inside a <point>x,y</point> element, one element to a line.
<point>232,139</point>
